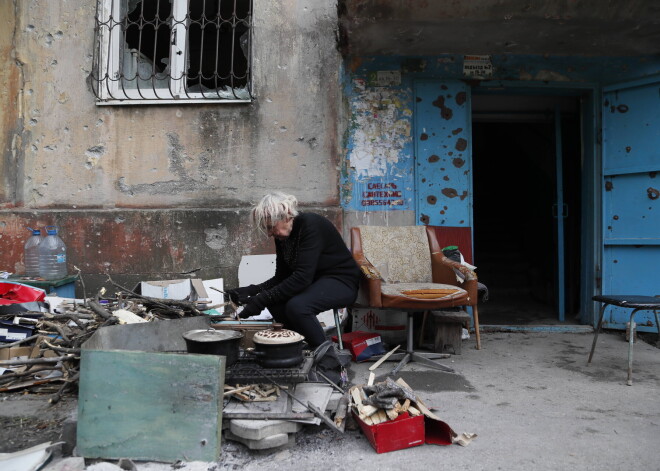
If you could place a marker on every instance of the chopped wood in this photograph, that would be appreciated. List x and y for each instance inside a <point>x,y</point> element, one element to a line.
<point>413,411</point>
<point>419,403</point>
<point>263,399</point>
<point>405,405</point>
<point>383,358</point>
<point>382,415</point>
<point>392,414</point>
<point>241,396</point>
<point>356,395</point>
<point>372,378</point>
<point>375,419</point>
<point>237,390</point>
<point>368,410</point>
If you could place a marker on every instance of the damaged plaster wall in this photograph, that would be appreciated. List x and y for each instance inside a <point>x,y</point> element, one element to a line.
<point>9,99</point>
<point>116,173</point>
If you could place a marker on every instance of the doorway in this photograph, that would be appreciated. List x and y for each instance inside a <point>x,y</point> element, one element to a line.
<point>516,180</point>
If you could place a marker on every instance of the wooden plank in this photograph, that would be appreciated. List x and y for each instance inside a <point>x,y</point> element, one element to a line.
<point>150,406</point>
<point>372,378</point>
<point>383,358</point>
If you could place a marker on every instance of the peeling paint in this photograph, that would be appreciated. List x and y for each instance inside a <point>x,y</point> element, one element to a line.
<point>381,129</point>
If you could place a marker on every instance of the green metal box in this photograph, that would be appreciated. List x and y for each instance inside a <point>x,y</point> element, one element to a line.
<point>141,397</point>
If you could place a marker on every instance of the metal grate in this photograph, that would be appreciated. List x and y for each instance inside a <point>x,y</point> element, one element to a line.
<point>154,50</point>
<point>246,370</point>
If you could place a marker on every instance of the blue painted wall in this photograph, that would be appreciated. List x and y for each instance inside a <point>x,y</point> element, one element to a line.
<point>379,168</point>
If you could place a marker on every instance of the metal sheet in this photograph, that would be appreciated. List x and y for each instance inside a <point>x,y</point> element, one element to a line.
<point>150,406</point>
<point>631,190</point>
<point>443,153</point>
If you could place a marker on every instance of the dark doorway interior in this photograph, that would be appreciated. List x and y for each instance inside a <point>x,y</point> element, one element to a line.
<point>515,191</point>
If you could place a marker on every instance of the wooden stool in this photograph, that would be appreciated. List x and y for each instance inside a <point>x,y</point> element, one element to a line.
<point>448,327</point>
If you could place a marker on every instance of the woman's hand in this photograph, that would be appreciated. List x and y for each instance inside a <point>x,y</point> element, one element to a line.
<point>250,309</point>
<point>240,296</point>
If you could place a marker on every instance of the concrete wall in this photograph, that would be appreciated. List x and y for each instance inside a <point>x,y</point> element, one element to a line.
<point>152,190</point>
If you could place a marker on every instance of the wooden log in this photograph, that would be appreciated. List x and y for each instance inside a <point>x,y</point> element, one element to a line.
<point>98,309</point>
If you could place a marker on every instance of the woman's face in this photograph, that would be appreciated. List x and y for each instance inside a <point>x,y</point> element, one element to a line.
<point>280,229</point>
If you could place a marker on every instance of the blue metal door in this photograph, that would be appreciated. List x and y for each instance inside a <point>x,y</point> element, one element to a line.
<point>442,152</point>
<point>631,195</point>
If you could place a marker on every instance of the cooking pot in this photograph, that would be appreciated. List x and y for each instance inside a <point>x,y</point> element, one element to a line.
<point>278,347</point>
<point>214,342</point>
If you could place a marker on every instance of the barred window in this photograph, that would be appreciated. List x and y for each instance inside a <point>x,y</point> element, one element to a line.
<point>155,51</point>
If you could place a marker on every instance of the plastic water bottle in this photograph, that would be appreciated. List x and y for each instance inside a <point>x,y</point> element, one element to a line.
<point>31,253</point>
<point>52,256</point>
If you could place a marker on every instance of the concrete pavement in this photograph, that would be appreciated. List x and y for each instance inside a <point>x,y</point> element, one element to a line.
<point>530,397</point>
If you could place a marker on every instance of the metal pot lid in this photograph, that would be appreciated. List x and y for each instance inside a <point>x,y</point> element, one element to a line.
<point>277,336</point>
<point>211,335</point>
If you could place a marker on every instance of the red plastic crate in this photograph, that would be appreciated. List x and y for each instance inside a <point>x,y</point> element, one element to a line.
<point>402,432</point>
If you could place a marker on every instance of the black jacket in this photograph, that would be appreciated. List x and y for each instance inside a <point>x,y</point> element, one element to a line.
<point>313,250</point>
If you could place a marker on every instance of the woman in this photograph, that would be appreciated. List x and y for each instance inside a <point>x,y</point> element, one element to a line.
<point>314,270</point>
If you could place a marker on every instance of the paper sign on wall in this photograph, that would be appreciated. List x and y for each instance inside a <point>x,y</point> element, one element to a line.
<point>477,66</point>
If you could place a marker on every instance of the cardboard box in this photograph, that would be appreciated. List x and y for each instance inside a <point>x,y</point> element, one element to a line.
<point>193,289</point>
<point>398,434</point>
<point>13,353</point>
<point>10,332</point>
<point>362,345</point>
<point>390,325</point>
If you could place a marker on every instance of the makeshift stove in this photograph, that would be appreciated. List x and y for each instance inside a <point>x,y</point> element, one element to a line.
<point>246,370</point>
<point>293,379</point>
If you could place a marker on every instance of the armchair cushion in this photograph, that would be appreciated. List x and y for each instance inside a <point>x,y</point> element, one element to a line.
<point>399,295</point>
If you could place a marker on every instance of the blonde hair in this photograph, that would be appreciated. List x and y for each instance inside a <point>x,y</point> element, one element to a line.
<point>273,207</point>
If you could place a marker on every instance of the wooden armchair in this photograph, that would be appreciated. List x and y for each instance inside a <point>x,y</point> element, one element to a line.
<point>404,269</point>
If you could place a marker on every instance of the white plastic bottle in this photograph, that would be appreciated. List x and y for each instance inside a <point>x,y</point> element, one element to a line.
<point>52,256</point>
<point>31,253</point>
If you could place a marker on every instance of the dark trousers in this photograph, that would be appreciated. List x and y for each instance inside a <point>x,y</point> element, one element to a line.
<point>299,313</point>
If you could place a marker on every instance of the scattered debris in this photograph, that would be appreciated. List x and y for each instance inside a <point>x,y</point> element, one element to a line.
<point>47,362</point>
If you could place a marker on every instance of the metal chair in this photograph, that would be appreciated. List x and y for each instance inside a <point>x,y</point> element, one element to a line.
<point>636,303</point>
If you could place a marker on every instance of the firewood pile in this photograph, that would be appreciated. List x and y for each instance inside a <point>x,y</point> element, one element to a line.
<point>47,362</point>
<point>253,392</point>
<point>380,402</point>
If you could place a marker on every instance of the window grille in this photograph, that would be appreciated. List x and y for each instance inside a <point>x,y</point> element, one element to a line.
<point>150,51</point>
